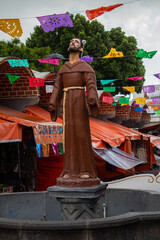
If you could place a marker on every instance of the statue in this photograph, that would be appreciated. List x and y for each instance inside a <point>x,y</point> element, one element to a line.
<point>78,167</point>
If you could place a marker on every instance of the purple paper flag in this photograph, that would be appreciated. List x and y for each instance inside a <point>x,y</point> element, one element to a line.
<point>157,75</point>
<point>156,100</point>
<point>148,89</point>
<point>87,58</point>
<point>50,22</point>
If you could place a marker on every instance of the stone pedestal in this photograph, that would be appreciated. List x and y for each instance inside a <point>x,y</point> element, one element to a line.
<point>80,203</point>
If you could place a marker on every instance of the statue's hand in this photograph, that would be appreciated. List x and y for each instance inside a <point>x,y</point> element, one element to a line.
<point>51,107</point>
<point>92,101</point>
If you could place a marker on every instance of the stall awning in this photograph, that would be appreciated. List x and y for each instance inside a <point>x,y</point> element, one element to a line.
<point>10,132</point>
<point>44,131</point>
<point>109,132</point>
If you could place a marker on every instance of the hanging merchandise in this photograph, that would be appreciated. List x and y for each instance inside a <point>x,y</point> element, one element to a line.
<point>148,89</point>
<point>60,145</point>
<point>91,14</point>
<point>113,53</point>
<point>140,101</point>
<point>109,89</point>
<point>55,148</point>
<point>49,60</point>
<point>135,78</point>
<point>130,89</point>
<point>39,149</point>
<point>36,82</point>
<point>11,27</point>
<point>12,78</point>
<point>123,100</point>
<point>143,54</point>
<point>50,22</point>
<point>87,58</point>
<point>104,82</point>
<point>49,88</point>
<point>18,62</point>
<point>45,150</point>
<point>107,99</point>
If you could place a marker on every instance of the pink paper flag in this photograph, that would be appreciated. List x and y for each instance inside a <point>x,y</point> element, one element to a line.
<point>36,82</point>
<point>135,78</point>
<point>107,99</point>
<point>49,60</point>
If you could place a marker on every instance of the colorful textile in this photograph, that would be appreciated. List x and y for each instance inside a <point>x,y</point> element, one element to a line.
<point>107,99</point>
<point>55,148</point>
<point>113,53</point>
<point>130,89</point>
<point>39,149</point>
<point>50,22</point>
<point>148,89</point>
<point>49,60</point>
<point>49,88</point>
<point>87,58</point>
<point>18,62</point>
<point>109,89</point>
<point>36,82</point>
<point>156,100</point>
<point>60,145</point>
<point>91,14</point>
<point>140,100</point>
<point>45,150</point>
<point>11,27</point>
<point>135,78</point>
<point>123,100</point>
<point>157,75</point>
<point>143,54</point>
<point>107,81</point>
<point>12,78</point>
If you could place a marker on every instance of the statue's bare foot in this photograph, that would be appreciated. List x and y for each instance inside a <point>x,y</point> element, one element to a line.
<point>66,176</point>
<point>85,176</point>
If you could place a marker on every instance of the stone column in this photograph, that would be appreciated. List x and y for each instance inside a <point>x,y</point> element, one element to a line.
<point>80,203</point>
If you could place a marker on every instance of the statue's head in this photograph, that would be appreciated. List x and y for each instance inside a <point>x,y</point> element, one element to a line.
<point>75,45</point>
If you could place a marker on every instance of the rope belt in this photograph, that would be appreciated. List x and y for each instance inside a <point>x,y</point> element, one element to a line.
<point>64,103</point>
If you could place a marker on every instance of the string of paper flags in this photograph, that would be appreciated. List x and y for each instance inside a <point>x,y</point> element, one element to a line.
<point>51,22</point>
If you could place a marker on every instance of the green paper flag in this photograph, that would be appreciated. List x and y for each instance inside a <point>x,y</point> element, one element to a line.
<point>109,89</point>
<point>12,78</point>
<point>158,112</point>
<point>123,100</point>
<point>143,54</point>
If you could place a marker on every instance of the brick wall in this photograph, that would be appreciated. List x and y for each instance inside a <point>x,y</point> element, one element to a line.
<point>44,97</point>
<point>122,111</point>
<point>20,88</point>
<point>134,114</point>
<point>106,108</point>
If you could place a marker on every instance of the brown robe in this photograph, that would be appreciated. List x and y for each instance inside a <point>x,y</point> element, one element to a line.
<point>78,157</point>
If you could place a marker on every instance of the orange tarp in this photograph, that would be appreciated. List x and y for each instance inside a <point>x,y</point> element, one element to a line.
<point>112,133</point>
<point>44,131</point>
<point>10,132</point>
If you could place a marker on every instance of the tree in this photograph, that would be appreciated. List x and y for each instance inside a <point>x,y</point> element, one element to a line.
<point>99,42</point>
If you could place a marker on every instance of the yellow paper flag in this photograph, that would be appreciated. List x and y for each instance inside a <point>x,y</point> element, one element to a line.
<point>140,100</point>
<point>114,53</point>
<point>130,89</point>
<point>11,27</point>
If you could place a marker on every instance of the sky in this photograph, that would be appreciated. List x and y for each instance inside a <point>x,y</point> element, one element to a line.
<point>140,19</point>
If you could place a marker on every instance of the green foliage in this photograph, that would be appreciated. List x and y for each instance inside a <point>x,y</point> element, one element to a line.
<point>99,42</point>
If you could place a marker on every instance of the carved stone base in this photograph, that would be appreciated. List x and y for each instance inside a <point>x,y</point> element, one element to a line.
<point>77,182</point>
<point>80,203</point>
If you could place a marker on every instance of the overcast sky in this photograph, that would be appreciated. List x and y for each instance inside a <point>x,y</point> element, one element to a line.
<point>136,18</point>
